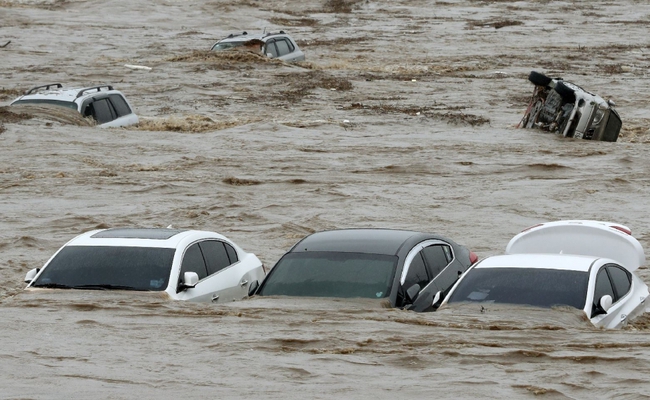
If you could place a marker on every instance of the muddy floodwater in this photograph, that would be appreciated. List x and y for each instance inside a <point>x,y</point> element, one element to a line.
<point>403,115</point>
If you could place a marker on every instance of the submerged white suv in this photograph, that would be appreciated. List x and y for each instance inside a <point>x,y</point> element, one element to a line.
<point>107,106</point>
<point>273,44</point>
<point>566,108</point>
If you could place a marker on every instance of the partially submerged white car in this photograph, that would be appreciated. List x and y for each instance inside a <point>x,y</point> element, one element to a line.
<point>584,264</point>
<point>186,264</point>
<point>103,104</point>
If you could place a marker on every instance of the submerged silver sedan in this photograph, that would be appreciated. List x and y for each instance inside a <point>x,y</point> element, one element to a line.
<point>185,264</point>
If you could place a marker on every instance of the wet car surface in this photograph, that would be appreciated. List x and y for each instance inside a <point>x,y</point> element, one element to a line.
<point>563,264</point>
<point>184,264</point>
<point>409,269</point>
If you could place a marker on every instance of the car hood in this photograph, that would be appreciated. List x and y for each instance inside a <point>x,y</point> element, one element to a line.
<point>582,237</point>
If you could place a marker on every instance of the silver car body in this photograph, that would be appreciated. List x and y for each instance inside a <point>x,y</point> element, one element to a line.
<point>107,106</point>
<point>566,108</point>
<point>278,45</point>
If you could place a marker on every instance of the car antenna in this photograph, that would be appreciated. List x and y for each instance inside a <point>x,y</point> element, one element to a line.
<point>264,31</point>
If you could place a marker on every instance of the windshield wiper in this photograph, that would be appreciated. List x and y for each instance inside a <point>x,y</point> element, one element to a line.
<point>102,287</point>
<point>52,285</point>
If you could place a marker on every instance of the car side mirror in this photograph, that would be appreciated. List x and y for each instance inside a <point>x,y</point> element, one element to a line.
<point>412,292</point>
<point>605,303</point>
<point>253,288</point>
<point>31,274</point>
<point>190,279</point>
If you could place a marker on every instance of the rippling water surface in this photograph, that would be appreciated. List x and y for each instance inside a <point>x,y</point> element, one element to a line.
<point>403,116</point>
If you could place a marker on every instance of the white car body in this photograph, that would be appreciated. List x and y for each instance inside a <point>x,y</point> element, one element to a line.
<point>107,106</point>
<point>600,249</point>
<point>276,45</point>
<point>229,283</point>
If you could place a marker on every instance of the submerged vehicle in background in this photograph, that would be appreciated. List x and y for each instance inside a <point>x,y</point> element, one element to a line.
<point>186,264</point>
<point>566,108</point>
<point>409,269</point>
<point>278,45</point>
<point>588,265</point>
<point>103,104</point>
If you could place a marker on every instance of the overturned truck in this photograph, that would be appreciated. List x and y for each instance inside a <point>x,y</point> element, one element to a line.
<point>565,108</point>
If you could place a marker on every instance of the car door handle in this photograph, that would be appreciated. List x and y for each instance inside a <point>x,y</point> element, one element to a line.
<point>244,282</point>
<point>623,317</point>
<point>215,298</point>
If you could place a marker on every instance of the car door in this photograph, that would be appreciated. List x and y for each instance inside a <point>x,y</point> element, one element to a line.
<point>415,272</point>
<point>124,114</point>
<point>217,282</point>
<point>270,50</point>
<point>440,263</point>
<point>615,281</point>
<point>226,273</point>
<point>101,110</point>
<point>285,50</point>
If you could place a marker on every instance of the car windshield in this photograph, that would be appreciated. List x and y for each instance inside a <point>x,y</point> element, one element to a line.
<point>529,286</point>
<point>227,45</point>
<point>108,267</point>
<point>331,274</point>
<point>60,103</point>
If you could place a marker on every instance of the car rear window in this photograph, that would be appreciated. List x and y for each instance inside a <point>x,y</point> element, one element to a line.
<point>133,268</point>
<point>331,274</point>
<point>529,286</point>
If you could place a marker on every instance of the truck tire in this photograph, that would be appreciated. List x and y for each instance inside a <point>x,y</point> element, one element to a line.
<point>539,79</point>
<point>567,94</point>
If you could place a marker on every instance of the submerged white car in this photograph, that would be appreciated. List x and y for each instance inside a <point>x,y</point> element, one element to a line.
<point>588,265</point>
<point>186,264</point>
<point>103,104</point>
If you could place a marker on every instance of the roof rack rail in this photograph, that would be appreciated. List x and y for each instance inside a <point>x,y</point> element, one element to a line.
<point>46,87</point>
<point>98,88</point>
<point>232,35</point>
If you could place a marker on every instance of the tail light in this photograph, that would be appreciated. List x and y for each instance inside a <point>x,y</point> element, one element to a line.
<point>620,228</point>
<point>473,258</point>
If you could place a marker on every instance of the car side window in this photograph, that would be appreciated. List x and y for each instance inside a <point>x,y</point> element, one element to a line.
<point>271,49</point>
<point>216,257</point>
<point>120,105</point>
<point>620,279</point>
<point>193,262</point>
<point>436,258</point>
<point>417,273</point>
<point>603,286</point>
<point>103,111</point>
<point>232,254</point>
<point>283,47</point>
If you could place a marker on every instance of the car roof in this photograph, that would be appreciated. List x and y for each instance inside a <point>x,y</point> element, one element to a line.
<point>135,237</point>
<point>372,241</point>
<point>584,237</point>
<point>546,261</point>
<point>55,91</point>
<point>245,36</point>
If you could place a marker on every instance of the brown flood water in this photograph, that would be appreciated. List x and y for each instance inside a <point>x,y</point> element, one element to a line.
<point>403,116</point>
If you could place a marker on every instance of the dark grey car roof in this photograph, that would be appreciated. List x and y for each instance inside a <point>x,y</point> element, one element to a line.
<point>374,241</point>
<point>138,233</point>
